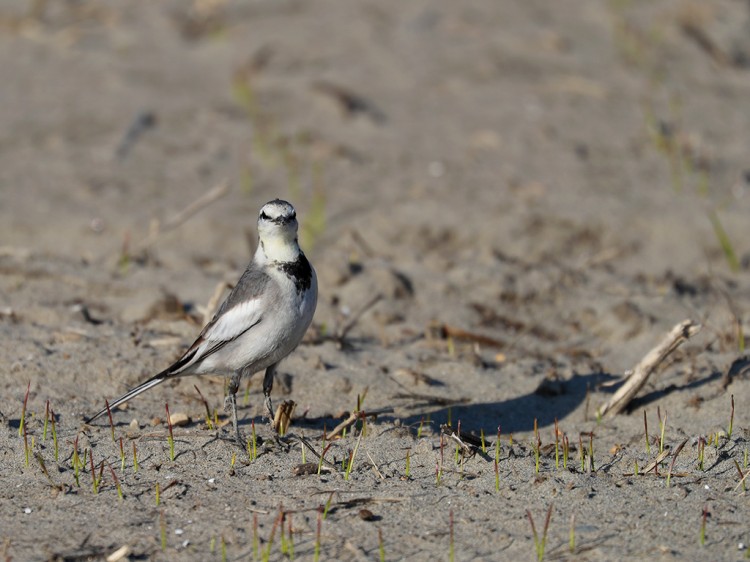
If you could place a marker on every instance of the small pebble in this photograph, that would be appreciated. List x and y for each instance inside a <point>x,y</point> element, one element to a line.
<point>119,554</point>
<point>366,515</point>
<point>179,419</point>
<point>305,469</point>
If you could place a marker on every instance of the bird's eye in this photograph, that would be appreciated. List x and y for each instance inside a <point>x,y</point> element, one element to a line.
<point>294,216</point>
<point>264,216</point>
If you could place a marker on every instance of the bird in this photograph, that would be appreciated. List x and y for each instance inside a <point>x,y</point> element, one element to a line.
<point>262,320</point>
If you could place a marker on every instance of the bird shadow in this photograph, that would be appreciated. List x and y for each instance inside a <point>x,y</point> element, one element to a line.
<point>514,415</point>
<point>519,413</point>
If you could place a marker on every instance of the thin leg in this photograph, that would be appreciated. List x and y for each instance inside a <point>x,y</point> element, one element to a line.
<point>267,387</point>
<point>230,403</point>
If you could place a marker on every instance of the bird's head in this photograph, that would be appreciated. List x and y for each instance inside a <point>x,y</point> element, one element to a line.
<point>277,229</point>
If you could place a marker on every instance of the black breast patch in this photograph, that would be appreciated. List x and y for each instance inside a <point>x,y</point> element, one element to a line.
<point>298,271</point>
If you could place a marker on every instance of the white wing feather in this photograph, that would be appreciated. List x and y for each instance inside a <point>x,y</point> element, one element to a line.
<point>234,322</point>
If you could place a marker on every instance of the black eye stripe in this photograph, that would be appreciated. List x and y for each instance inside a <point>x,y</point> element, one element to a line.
<point>279,219</point>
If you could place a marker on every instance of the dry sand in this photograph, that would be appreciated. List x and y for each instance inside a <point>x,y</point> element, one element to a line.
<point>543,175</point>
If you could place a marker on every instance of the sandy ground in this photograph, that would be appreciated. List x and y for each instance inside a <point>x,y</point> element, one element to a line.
<point>560,182</point>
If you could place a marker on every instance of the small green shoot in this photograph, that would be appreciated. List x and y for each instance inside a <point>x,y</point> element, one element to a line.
<point>323,449</point>
<point>322,456</point>
<point>442,449</point>
<point>572,533</point>
<point>26,448</point>
<point>742,476</point>
<point>557,447</point>
<point>352,456</point>
<point>701,451</point>
<point>540,543</point>
<point>290,540</point>
<point>43,467</point>
<point>581,452</point>
<point>170,438</point>
<point>635,470</point>
<point>272,536</point>
<point>497,446</point>
<point>304,452</point>
<point>22,425</point>
<point>212,545</point>
<point>662,428</point>
<point>54,433</point>
<point>566,451</point>
<point>76,462</point>
<point>327,506</point>
<point>591,452</point>
<point>135,458</point>
<point>381,546</point>
<point>452,353</point>
<point>419,429</point>
<point>122,456</point>
<point>449,415</point>
<point>484,445</point>
<point>497,477</point>
<point>408,464</point>
<point>316,555</point>
<point>116,481</point>
<point>284,544</point>
<point>458,432</point>
<point>724,242</point>
<point>94,481</point>
<point>209,423</point>
<point>253,444</point>
<point>111,423</point>
<point>46,422</point>
<point>674,458</point>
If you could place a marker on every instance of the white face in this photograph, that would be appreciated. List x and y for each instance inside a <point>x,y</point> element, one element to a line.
<point>277,228</point>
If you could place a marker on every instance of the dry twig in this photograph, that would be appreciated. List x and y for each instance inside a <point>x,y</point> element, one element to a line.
<point>640,374</point>
<point>158,228</point>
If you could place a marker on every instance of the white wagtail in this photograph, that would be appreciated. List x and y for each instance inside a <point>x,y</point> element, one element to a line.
<point>261,321</point>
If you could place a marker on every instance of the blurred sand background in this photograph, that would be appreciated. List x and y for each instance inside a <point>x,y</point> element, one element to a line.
<point>496,196</point>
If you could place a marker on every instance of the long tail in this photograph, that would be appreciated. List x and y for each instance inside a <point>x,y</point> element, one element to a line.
<point>143,387</point>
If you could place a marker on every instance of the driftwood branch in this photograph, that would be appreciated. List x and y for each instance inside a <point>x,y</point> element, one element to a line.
<point>676,336</point>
